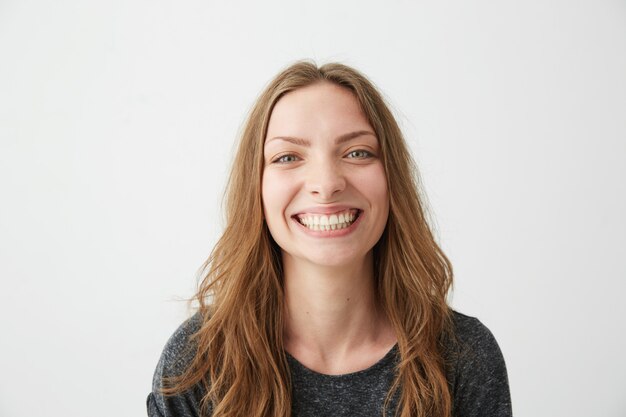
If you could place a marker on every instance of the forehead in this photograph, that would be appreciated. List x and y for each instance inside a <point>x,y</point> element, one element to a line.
<point>321,109</point>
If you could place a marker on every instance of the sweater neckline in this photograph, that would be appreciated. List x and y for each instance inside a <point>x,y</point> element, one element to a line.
<point>383,362</point>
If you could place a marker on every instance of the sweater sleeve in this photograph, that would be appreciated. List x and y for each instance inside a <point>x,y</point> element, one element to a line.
<point>479,382</point>
<point>176,356</point>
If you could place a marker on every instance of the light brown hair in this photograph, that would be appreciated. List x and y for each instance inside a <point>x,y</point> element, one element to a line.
<point>239,357</point>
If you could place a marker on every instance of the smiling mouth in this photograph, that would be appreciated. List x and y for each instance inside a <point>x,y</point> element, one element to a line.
<point>322,222</point>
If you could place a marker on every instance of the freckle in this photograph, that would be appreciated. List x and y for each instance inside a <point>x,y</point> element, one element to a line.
<point>348,299</point>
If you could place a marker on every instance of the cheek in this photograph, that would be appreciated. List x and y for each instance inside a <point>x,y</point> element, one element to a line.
<point>373,184</point>
<point>275,196</point>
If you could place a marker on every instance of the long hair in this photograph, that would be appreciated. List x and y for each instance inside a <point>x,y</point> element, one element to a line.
<point>239,358</point>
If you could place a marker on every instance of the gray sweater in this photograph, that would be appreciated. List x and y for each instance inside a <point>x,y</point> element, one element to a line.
<point>476,375</point>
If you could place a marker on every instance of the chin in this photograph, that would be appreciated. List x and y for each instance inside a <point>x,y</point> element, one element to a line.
<point>331,259</point>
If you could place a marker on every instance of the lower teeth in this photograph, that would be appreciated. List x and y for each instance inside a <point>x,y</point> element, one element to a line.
<point>327,227</point>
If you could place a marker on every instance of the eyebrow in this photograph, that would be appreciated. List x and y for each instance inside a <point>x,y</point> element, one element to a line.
<point>338,141</point>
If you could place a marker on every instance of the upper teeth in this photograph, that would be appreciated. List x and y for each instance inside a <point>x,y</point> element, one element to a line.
<point>328,222</point>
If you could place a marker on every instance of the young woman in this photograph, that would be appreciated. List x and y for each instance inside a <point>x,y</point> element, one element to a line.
<point>326,294</point>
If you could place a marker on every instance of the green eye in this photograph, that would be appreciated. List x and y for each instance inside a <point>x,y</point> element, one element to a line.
<point>285,159</point>
<point>359,154</point>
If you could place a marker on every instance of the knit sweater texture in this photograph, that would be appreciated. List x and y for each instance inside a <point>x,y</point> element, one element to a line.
<point>476,375</point>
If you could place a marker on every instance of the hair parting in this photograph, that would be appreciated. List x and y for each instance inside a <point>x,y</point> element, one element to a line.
<point>238,355</point>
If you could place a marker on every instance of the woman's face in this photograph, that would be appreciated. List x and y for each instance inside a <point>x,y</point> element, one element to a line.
<point>324,188</point>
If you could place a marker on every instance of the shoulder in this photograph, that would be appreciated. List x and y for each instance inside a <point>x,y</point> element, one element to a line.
<point>177,354</point>
<point>476,370</point>
<point>472,338</point>
<point>179,350</point>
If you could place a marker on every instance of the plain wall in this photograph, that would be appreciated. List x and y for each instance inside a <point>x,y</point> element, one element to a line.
<point>117,127</point>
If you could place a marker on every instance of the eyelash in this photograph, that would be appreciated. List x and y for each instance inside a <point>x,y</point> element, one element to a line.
<point>368,154</point>
<point>279,160</point>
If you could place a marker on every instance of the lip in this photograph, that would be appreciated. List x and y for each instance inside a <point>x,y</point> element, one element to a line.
<point>326,210</point>
<point>329,233</point>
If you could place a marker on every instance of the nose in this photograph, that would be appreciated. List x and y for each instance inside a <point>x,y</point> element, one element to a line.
<point>325,180</point>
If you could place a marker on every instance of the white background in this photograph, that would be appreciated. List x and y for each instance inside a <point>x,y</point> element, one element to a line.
<point>117,128</point>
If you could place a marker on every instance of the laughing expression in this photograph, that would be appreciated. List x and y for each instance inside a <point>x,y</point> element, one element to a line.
<point>324,188</point>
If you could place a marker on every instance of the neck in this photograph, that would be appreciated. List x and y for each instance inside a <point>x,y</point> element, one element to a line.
<point>332,311</point>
